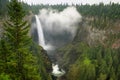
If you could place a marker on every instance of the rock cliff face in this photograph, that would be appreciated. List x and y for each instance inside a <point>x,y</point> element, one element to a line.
<point>88,34</point>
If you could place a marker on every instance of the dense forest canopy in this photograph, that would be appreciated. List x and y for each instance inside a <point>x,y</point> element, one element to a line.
<point>111,10</point>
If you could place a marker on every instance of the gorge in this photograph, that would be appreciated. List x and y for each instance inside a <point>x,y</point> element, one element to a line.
<point>53,33</point>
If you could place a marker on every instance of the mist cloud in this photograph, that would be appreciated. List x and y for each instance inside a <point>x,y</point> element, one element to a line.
<point>59,27</point>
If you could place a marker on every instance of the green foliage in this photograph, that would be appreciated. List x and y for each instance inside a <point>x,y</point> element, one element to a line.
<point>17,61</point>
<point>110,11</point>
<point>102,15</point>
<point>90,63</point>
<point>16,31</point>
<point>44,64</point>
<point>83,70</point>
<point>35,8</point>
<point>4,77</point>
<point>101,22</point>
<point>16,58</point>
<point>4,9</point>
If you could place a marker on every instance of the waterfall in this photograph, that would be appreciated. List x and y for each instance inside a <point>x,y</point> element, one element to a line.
<point>56,72</point>
<point>41,38</point>
<point>56,29</point>
<point>40,32</point>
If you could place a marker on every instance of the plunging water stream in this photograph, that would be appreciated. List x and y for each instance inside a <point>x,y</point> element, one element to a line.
<point>41,39</point>
<point>40,32</point>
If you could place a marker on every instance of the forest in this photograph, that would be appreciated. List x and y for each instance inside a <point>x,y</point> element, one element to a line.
<point>93,54</point>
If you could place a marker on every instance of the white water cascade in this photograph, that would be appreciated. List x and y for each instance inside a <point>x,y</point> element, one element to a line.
<point>40,32</point>
<point>56,72</point>
<point>41,38</point>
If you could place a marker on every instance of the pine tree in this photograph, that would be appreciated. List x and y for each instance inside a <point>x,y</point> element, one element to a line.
<point>21,64</point>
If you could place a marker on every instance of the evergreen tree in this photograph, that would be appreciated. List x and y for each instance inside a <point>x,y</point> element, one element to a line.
<point>20,63</point>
